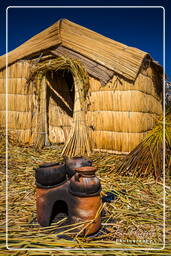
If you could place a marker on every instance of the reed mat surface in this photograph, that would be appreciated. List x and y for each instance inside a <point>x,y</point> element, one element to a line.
<point>133,220</point>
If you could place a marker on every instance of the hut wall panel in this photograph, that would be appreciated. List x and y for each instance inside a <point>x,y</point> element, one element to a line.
<point>57,116</point>
<point>21,103</point>
<point>21,100</point>
<point>2,102</point>
<point>120,121</point>
<point>33,136</point>
<point>16,120</point>
<point>121,113</point>
<point>142,84</point>
<point>16,86</point>
<point>115,141</point>
<point>22,136</point>
<point>148,72</point>
<point>2,86</point>
<point>56,134</point>
<point>19,120</point>
<point>132,101</point>
<point>19,69</point>
<point>2,119</point>
<point>17,75</point>
<point>3,73</point>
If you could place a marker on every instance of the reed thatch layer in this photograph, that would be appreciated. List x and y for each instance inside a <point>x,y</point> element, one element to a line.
<point>116,141</point>
<point>19,120</point>
<point>2,119</point>
<point>21,136</point>
<point>15,86</point>
<point>59,118</point>
<point>21,101</point>
<point>143,84</point>
<point>123,60</point>
<point>102,73</point>
<point>132,101</point>
<point>56,135</point>
<point>120,114</point>
<point>16,102</point>
<point>131,122</point>
<point>118,58</point>
<point>46,39</point>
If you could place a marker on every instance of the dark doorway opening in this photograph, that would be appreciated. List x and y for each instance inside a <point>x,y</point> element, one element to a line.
<point>60,105</point>
<point>70,83</point>
<point>63,84</point>
<point>59,211</point>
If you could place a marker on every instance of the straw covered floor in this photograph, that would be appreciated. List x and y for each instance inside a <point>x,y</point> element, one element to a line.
<point>134,219</point>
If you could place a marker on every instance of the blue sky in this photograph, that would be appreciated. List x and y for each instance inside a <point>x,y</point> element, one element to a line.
<point>138,27</point>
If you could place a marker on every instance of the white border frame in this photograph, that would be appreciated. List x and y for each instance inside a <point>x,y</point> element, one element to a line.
<point>164,192</point>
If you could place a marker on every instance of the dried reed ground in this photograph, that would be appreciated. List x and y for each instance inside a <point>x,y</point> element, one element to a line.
<point>135,216</point>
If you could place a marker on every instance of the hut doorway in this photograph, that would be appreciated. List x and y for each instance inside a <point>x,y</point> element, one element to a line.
<point>62,112</point>
<point>60,105</point>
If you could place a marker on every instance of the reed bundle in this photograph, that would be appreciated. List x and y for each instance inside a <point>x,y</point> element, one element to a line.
<point>147,157</point>
<point>78,141</point>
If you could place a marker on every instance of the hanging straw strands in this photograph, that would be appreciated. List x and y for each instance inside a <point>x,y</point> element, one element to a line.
<point>147,157</point>
<point>78,140</point>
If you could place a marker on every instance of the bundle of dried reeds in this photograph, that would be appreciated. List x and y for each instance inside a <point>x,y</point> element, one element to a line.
<point>147,157</point>
<point>78,142</point>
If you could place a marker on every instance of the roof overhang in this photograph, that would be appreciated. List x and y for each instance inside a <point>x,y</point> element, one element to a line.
<point>101,55</point>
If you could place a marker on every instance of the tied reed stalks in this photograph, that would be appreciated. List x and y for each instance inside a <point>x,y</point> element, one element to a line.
<point>147,158</point>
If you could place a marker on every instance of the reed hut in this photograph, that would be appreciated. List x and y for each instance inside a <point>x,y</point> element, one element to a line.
<point>71,85</point>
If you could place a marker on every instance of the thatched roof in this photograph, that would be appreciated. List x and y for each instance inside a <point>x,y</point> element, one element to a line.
<point>107,55</point>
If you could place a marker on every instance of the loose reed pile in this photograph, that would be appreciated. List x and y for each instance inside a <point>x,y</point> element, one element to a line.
<point>78,142</point>
<point>133,220</point>
<point>147,157</point>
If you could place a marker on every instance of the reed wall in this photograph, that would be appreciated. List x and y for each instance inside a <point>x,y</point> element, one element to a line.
<point>119,114</point>
<point>22,105</point>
